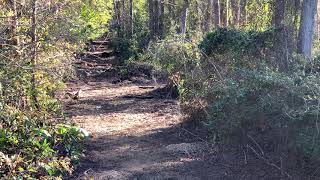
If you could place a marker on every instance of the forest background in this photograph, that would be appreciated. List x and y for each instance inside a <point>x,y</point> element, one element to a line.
<point>243,69</point>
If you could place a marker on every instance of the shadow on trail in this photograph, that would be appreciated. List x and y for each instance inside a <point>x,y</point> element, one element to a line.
<point>145,157</point>
<point>149,102</point>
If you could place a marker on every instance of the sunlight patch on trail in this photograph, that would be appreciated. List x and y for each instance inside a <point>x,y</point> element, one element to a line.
<point>128,123</point>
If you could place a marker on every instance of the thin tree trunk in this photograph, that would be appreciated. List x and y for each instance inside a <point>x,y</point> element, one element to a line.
<point>184,18</point>
<point>175,15</point>
<point>161,20</point>
<point>279,9</point>
<point>34,53</point>
<point>14,29</point>
<point>156,17</point>
<point>217,13</point>
<point>117,11</point>
<point>151,18</point>
<point>209,8</point>
<point>309,10</point>
<point>283,39</point>
<point>238,21</point>
<point>318,21</point>
<point>244,13</point>
<point>199,16</point>
<point>171,12</point>
<point>123,17</point>
<point>227,13</point>
<point>131,19</point>
<point>297,8</point>
<point>223,14</point>
<point>15,42</point>
<point>234,14</point>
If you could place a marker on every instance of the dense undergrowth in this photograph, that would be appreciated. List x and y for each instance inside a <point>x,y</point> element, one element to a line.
<point>38,43</point>
<point>35,141</point>
<point>235,85</point>
<point>30,150</point>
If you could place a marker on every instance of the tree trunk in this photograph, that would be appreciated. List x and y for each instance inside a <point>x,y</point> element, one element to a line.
<point>15,37</point>
<point>238,21</point>
<point>161,20</point>
<point>131,19</point>
<point>117,11</point>
<point>123,18</point>
<point>223,13</point>
<point>279,9</point>
<point>184,18</point>
<point>199,16</point>
<point>309,10</point>
<point>151,18</point>
<point>217,13</point>
<point>243,12</point>
<point>227,12</point>
<point>234,14</point>
<point>297,9</point>
<point>156,17</point>
<point>208,14</point>
<point>34,53</point>
<point>317,22</point>
<point>171,5</point>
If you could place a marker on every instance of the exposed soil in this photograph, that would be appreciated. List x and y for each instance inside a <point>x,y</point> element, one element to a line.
<point>140,134</point>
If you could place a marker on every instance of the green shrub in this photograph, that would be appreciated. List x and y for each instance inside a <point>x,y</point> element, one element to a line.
<point>253,97</point>
<point>233,85</point>
<point>231,48</point>
<point>172,54</point>
<point>225,40</point>
<point>30,149</point>
<point>32,143</point>
<point>131,46</point>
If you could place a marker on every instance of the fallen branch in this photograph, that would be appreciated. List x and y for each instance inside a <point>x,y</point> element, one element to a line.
<point>269,163</point>
<point>256,143</point>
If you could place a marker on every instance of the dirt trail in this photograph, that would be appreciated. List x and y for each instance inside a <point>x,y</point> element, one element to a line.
<point>136,131</point>
<point>139,135</point>
<point>131,135</point>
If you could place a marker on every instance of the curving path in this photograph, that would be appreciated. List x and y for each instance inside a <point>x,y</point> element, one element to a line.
<point>139,134</point>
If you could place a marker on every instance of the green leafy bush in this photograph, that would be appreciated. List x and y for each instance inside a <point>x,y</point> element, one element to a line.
<point>231,48</point>
<point>131,46</point>
<point>237,42</point>
<point>233,85</point>
<point>179,60</point>
<point>93,19</point>
<point>256,99</point>
<point>33,145</point>
<point>171,54</point>
<point>29,149</point>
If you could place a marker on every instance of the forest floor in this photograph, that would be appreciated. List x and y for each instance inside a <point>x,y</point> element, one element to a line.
<point>140,134</point>
<point>132,135</point>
